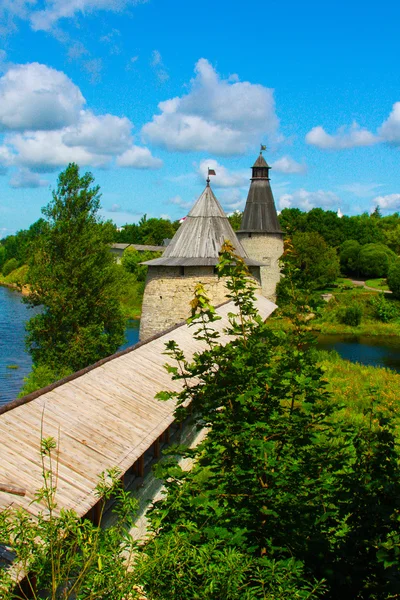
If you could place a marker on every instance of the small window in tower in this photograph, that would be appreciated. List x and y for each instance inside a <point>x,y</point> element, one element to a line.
<point>182,271</point>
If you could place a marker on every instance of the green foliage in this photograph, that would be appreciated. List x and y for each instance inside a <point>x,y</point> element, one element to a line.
<point>315,264</point>
<point>10,265</point>
<point>3,256</point>
<point>40,377</point>
<point>63,556</point>
<point>177,568</point>
<point>351,315</point>
<point>148,231</point>
<point>74,278</point>
<point>350,256</point>
<point>393,278</point>
<point>132,259</point>
<point>365,228</point>
<point>235,219</point>
<point>283,474</point>
<point>375,260</point>
<point>385,310</point>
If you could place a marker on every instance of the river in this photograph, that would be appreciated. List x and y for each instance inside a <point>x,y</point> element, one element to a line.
<point>15,363</point>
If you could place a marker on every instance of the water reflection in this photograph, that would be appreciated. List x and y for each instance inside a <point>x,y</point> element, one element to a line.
<point>13,315</point>
<point>375,351</point>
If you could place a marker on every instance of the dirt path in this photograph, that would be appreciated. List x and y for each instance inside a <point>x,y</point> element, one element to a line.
<point>358,283</point>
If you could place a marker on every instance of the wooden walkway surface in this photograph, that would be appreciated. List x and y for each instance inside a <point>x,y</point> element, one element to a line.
<point>102,417</point>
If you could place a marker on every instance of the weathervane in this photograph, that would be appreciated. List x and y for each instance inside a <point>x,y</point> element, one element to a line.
<point>210,172</point>
<point>263,147</point>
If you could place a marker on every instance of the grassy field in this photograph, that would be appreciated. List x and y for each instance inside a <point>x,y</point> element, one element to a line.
<point>355,386</point>
<point>378,284</point>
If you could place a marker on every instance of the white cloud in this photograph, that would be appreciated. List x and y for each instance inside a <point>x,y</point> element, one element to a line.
<point>178,201</point>
<point>307,200</point>
<point>93,67</point>
<point>223,178</point>
<point>286,164</point>
<point>156,59</point>
<point>350,137</point>
<point>232,199</point>
<point>103,134</point>
<point>45,151</point>
<point>23,178</point>
<point>34,96</point>
<point>46,127</point>
<point>390,129</point>
<point>217,115</point>
<point>138,157</point>
<point>158,66</point>
<point>361,190</point>
<point>58,9</point>
<point>388,202</point>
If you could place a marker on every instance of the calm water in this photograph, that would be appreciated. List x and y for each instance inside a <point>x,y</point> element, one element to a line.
<point>13,315</point>
<point>376,351</point>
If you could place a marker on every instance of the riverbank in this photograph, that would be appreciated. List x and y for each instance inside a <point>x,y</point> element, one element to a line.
<point>356,386</point>
<point>16,280</point>
<point>379,314</point>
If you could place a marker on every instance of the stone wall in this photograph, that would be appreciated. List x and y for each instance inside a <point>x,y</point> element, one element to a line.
<point>168,292</point>
<point>267,248</point>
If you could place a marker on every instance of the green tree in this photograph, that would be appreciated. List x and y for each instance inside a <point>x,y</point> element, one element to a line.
<point>393,278</point>
<point>349,253</point>
<point>235,219</point>
<point>132,259</point>
<point>317,263</point>
<point>375,260</point>
<point>2,256</point>
<point>287,488</point>
<point>74,278</point>
<point>10,265</point>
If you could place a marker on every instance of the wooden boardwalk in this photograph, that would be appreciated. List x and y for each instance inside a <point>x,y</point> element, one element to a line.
<point>101,417</point>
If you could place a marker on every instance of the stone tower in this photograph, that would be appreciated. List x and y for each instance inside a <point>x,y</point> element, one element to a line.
<point>190,258</point>
<point>260,233</point>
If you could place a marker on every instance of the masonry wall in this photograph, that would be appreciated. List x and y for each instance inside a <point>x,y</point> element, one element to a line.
<point>168,292</point>
<point>267,248</point>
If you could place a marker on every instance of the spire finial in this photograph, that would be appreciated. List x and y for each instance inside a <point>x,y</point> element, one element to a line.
<point>262,147</point>
<point>210,172</point>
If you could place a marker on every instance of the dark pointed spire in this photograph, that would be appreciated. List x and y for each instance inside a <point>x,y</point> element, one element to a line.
<point>260,213</point>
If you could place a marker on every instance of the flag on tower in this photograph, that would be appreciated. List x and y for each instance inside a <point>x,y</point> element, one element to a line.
<point>263,147</point>
<point>211,172</point>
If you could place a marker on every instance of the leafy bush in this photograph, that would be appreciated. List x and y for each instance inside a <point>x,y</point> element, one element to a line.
<point>375,260</point>
<point>132,259</point>
<point>384,309</point>
<point>351,315</point>
<point>284,472</point>
<point>317,263</point>
<point>349,256</point>
<point>40,377</point>
<point>3,255</point>
<point>393,278</point>
<point>10,265</point>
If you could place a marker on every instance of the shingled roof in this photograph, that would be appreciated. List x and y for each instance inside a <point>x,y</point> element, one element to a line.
<point>260,213</point>
<point>199,239</point>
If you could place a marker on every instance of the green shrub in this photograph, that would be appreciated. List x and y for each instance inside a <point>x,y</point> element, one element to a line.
<point>3,255</point>
<point>351,315</point>
<point>40,377</point>
<point>10,265</point>
<point>384,310</point>
<point>375,260</point>
<point>349,254</point>
<point>393,278</point>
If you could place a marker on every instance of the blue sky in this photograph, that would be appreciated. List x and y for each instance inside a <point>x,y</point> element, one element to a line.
<point>147,94</point>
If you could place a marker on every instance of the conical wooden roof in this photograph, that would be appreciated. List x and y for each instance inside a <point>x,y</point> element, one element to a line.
<point>199,239</point>
<point>260,214</point>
